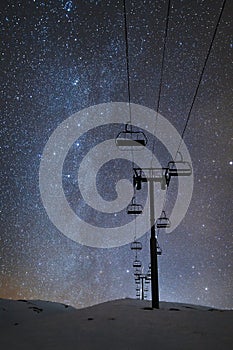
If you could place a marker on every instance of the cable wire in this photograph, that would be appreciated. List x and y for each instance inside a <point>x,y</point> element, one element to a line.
<point>197,88</point>
<point>201,76</point>
<point>127,57</point>
<point>161,74</point>
<point>129,91</point>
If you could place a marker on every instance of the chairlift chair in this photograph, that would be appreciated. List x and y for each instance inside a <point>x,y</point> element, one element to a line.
<point>129,138</point>
<point>179,167</point>
<point>136,245</point>
<point>137,264</point>
<point>137,272</point>
<point>134,208</point>
<point>163,221</point>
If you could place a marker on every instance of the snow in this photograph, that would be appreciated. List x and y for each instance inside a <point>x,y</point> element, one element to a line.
<point>119,324</point>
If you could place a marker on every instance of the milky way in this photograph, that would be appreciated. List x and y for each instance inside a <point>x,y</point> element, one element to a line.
<point>59,57</point>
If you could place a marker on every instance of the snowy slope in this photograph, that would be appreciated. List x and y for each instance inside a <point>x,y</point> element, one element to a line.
<point>120,324</point>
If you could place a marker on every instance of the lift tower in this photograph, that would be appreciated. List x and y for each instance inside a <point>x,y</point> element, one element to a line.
<point>162,175</point>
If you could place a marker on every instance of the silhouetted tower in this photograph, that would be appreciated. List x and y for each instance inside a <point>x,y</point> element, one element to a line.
<point>163,176</point>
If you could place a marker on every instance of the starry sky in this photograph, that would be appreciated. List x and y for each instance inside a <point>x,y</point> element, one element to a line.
<point>59,57</point>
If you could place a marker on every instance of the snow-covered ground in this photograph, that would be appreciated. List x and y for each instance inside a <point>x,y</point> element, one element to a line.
<point>120,324</point>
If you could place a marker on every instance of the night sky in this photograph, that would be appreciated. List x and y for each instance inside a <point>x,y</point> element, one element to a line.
<point>60,57</point>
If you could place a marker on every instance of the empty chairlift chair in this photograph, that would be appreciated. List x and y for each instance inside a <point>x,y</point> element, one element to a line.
<point>163,221</point>
<point>137,273</point>
<point>136,245</point>
<point>137,264</point>
<point>130,138</point>
<point>179,167</point>
<point>134,208</point>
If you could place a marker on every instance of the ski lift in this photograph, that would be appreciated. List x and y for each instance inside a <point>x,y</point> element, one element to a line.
<point>134,208</point>
<point>137,264</point>
<point>179,167</point>
<point>137,280</point>
<point>163,221</point>
<point>130,138</point>
<point>147,279</point>
<point>136,245</point>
